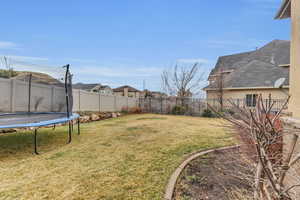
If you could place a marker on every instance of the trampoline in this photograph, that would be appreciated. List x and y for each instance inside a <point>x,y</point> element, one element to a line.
<point>59,112</point>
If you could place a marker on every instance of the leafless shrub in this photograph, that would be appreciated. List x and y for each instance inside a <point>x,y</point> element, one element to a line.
<point>261,132</point>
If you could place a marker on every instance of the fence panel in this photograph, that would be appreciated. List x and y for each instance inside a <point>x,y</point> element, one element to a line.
<point>196,106</point>
<point>5,95</point>
<point>107,103</point>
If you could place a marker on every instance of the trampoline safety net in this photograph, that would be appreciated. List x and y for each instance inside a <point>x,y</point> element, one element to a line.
<point>32,88</point>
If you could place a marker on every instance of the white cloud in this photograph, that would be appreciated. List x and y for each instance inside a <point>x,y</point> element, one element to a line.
<point>117,72</point>
<point>25,58</point>
<point>8,45</point>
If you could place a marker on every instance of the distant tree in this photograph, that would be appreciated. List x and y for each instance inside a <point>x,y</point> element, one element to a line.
<point>8,71</point>
<point>182,81</point>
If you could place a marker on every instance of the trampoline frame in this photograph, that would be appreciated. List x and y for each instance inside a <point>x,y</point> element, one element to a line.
<point>70,117</point>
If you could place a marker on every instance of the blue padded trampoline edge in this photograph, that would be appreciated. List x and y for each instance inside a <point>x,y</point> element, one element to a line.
<point>43,123</point>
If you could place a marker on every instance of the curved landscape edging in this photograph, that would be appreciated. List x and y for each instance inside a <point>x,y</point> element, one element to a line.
<point>174,177</point>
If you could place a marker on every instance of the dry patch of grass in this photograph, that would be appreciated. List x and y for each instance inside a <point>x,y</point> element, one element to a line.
<point>124,158</point>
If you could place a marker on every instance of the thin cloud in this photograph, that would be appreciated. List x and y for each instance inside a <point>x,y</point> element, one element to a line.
<point>117,72</point>
<point>8,45</point>
<point>24,58</point>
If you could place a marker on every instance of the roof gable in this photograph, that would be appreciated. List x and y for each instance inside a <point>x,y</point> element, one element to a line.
<point>285,10</point>
<point>260,68</point>
<point>227,62</point>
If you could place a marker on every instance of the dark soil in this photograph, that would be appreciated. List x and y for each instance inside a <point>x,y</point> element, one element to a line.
<point>214,176</point>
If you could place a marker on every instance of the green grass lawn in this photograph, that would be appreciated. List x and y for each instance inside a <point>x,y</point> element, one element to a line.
<point>130,157</point>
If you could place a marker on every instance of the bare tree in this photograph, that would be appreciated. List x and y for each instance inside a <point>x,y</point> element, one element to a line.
<point>265,137</point>
<point>182,81</point>
<point>220,87</point>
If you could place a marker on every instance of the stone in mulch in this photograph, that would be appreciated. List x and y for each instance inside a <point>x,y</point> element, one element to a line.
<point>214,176</point>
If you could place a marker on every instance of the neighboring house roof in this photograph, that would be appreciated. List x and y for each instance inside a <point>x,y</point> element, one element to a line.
<point>285,10</point>
<point>121,89</point>
<point>84,86</point>
<point>260,68</point>
<point>91,86</point>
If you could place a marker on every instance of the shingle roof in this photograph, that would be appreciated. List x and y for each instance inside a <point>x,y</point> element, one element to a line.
<point>256,74</point>
<point>227,62</point>
<point>89,86</point>
<point>285,10</point>
<point>259,68</point>
<point>84,86</point>
<point>121,89</point>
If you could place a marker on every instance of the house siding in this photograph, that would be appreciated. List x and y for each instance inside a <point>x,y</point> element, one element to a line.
<point>241,94</point>
<point>294,104</point>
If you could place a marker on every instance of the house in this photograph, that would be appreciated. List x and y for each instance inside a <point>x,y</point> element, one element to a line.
<point>291,9</point>
<point>246,75</point>
<point>96,87</point>
<point>127,91</point>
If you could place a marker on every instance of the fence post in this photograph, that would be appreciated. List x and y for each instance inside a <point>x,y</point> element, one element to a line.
<point>127,103</point>
<point>79,103</point>
<point>99,101</point>
<point>161,105</point>
<point>52,99</point>
<point>12,95</point>
<point>115,103</point>
<point>150,103</point>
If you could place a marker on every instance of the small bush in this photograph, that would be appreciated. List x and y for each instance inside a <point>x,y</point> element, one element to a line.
<point>125,110</point>
<point>135,110</point>
<point>131,110</point>
<point>208,113</point>
<point>178,110</point>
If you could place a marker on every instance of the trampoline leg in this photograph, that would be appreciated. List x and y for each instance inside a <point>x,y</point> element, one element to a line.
<point>35,142</point>
<point>70,132</point>
<point>72,126</point>
<point>78,127</point>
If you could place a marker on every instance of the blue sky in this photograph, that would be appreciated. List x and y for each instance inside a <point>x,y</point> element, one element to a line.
<point>120,42</point>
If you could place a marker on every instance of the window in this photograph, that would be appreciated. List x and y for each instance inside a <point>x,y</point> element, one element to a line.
<point>251,100</point>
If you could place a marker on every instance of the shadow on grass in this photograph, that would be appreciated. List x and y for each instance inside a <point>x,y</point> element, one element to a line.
<point>22,142</point>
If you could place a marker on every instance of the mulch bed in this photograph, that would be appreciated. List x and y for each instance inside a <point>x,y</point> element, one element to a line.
<point>214,177</point>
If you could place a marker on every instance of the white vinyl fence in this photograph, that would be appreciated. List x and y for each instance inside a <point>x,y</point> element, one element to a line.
<point>14,98</point>
<point>89,101</point>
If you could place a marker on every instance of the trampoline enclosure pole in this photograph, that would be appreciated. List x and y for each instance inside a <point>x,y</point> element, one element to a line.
<point>29,92</point>
<point>78,126</point>
<point>70,132</point>
<point>66,89</point>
